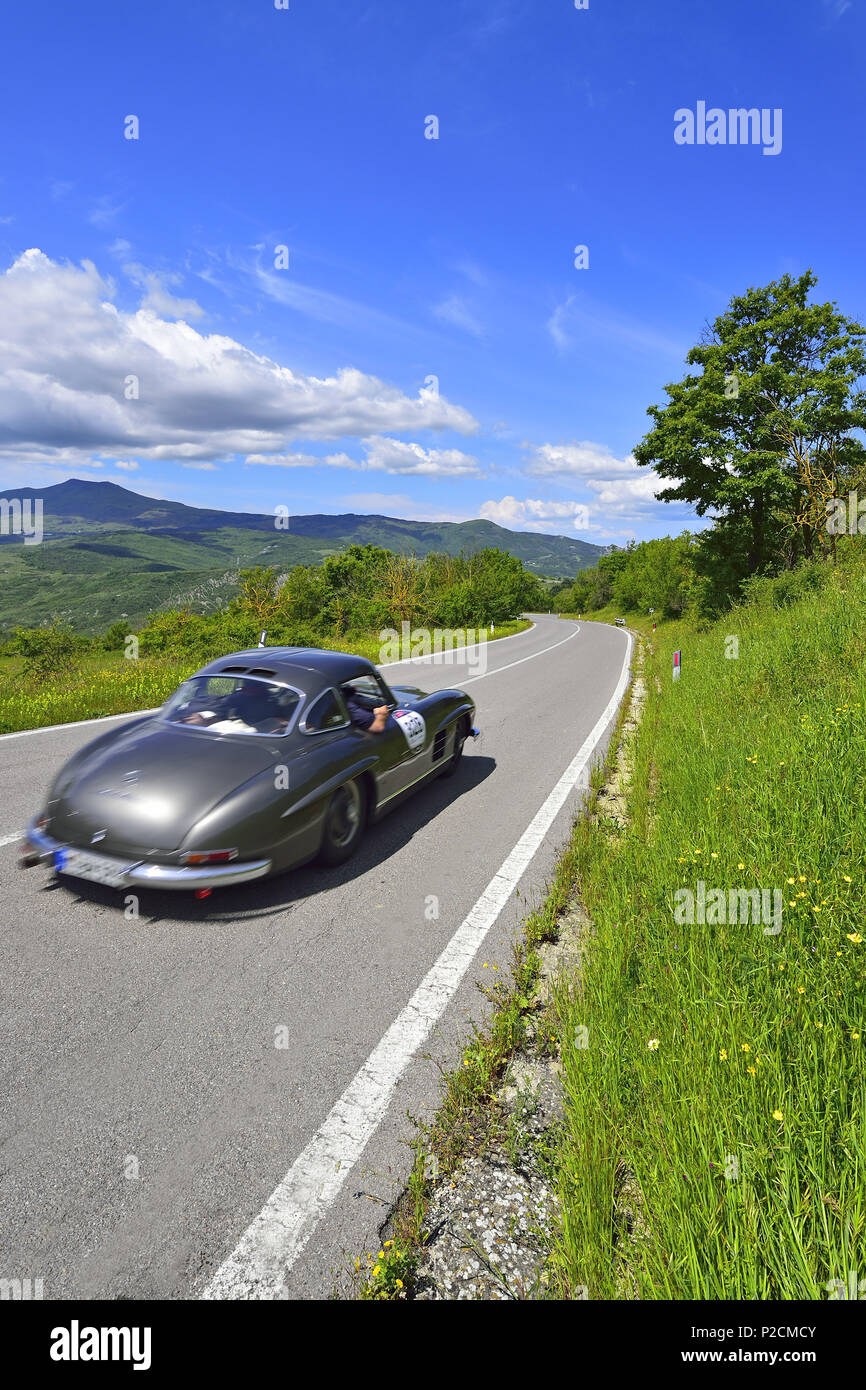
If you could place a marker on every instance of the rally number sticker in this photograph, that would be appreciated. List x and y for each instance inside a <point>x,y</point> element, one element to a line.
<point>413,727</point>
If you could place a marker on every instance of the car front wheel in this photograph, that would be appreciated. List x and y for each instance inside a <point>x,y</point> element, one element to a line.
<point>344,823</point>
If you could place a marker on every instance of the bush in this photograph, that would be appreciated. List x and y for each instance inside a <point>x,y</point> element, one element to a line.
<point>47,650</point>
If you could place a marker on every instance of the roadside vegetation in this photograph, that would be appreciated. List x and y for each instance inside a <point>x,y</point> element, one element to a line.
<point>715,1142</point>
<point>53,675</point>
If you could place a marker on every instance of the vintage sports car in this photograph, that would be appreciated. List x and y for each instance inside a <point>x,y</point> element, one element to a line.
<point>258,763</point>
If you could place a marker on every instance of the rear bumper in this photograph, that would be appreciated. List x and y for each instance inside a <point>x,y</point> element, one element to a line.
<point>39,848</point>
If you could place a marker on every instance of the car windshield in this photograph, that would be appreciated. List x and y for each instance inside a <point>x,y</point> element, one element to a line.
<point>233,705</point>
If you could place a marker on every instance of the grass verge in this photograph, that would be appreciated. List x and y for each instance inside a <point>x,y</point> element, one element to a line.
<point>714,1140</point>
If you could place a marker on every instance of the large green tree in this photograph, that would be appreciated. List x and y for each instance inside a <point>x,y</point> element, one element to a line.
<point>779,379</point>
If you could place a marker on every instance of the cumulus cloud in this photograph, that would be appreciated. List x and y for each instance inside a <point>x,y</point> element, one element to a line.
<point>387,455</point>
<point>532,514</point>
<point>619,489</point>
<point>128,465</point>
<point>579,461</point>
<point>624,492</point>
<point>397,456</point>
<point>70,357</point>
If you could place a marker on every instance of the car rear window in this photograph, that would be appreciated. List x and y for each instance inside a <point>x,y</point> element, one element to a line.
<point>228,704</point>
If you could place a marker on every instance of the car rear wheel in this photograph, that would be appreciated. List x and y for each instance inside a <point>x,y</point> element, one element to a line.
<point>460,735</point>
<point>344,823</point>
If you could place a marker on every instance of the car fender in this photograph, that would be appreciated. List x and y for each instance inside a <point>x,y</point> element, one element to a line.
<point>346,774</point>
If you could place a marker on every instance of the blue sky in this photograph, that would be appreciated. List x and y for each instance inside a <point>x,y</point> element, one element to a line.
<point>409,259</point>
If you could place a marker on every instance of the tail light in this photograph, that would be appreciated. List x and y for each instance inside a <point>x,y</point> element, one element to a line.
<point>209,856</point>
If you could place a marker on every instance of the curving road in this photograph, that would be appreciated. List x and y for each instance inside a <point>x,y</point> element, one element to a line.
<point>156,1141</point>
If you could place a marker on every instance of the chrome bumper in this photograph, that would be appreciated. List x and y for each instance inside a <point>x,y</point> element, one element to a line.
<point>38,848</point>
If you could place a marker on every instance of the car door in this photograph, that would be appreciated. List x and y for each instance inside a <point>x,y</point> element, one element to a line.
<point>402,742</point>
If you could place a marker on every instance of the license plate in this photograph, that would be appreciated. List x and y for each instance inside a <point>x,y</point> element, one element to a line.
<point>95,867</point>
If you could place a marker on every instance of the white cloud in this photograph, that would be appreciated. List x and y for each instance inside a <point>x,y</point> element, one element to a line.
<point>532,514</point>
<point>620,490</point>
<point>388,455</point>
<point>128,465</point>
<point>157,297</point>
<point>580,460</point>
<point>395,456</point>
<point>67,351</point>
<point>625,492</point>
<point>454,310</point>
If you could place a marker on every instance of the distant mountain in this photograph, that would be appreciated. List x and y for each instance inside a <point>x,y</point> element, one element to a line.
<point>107,549</point>
<point>76,506</point>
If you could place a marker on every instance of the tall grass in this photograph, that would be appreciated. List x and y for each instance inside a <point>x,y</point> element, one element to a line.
<point>714,1144</point>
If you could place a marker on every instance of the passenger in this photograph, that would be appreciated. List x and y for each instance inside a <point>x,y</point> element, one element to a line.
<point>253,703</point>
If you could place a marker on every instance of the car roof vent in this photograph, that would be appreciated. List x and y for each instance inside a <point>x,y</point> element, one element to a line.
<point>232,670</point>
<point>260,671</point>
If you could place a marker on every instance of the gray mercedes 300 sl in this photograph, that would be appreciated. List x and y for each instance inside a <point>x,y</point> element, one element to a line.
<point>258,763</point>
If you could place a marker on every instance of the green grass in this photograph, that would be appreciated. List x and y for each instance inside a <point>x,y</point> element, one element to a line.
<point>106,683</point>
<point>727,1161</point>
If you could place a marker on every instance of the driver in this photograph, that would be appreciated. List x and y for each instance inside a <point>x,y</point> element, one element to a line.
<point>373,721</point>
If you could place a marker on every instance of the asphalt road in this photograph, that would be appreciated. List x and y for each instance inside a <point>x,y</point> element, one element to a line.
<point>148,1115</point>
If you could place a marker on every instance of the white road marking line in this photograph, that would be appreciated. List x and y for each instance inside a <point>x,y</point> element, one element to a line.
<point>273,1241</point>
<point>520,662</point>
<point>10,839</point>
<point>131,714</point>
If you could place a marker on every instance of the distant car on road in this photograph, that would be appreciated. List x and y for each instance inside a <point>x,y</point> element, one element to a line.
<point>620,622</point>
<point>254,766</point>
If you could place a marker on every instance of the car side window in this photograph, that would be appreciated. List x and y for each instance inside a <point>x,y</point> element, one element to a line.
<point>326,712</point>
<point>367,690</point>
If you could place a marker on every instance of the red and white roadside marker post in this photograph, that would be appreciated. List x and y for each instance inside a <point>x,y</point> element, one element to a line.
<point>678,664</point>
